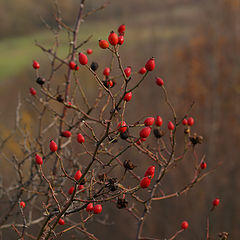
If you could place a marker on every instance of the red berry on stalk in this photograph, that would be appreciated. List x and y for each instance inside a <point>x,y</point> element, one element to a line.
<point>121,28</point>
<point>66,134</point>
<point>32,91</point>
<point>89,207</point>
<point>120,39</point>
<point>109,83</point>
<point>113,38</point>
<point>203,165</point>
<point>158,121</point>
<point>61,221</point>
<point>216,202</point>
<point>77,67</point>
<point>103,44</point>
<point>97,209</point>
<point>149,121</point>
<point>145,182</point>
<point>83,59</point>
<point>81,187</point>
<point>106,71</point>
<point>142,70</point>
<point>159,81</point>
<point>170,125</point>
<point>184,225</point>
<point>150,64</point>
<point>190,121</point>
<point>184,121</point>
<point>80,138</point>
<point>69,105</point>
<point>38,159</point>
<point>70,191</point>
<point>53,146</point>
<point>145,132</point>
<point>77,175</point>
<point>89,51</point>
<point>141,140</point>
<point>150,171</point>
<point>72,65</point>
<point>22,204</point>
<point>122,127</point>
<point>127,71</point>
<point>36,65</point>
<point>128,97</point>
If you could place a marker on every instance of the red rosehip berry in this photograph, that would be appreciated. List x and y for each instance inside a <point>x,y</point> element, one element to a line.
<point>145,182</point>
<point>170,125</point>
<point>97,209</point>
<point>150,171</point>
<point>203,165</point>
<point>77,175</point>
<point>89,207</point>
<point>113,38</point>
<point>109,83</point>
<point>159,81</point>
<point>70,191</point>
<point>121,28</point>
<point>145,132</point>
<point>127,71</point>
<point>61,221</point>
<point>77,68</point>
<point>184,225</point>
<point>150,64</point>
<point>122,127</point>
<point>36,65</point>
<point>149,121</point>
<point>72,65</point>
<point>216,202</point>
<point>32,91</point>
<point>83,59</point>
<point>184,122</point>
<point>120,40</point>
<point>81,187</point>
<point>158,121</point>
<point>190,121</point>
<point>53,146</point>
<point>142,70</point>
<point>69,105</point>
<point>103,44</point>
<point>141,140</point>
<point>128,97</point>
<point>80,138</point>
<point>89,51</point>
<point>106,71</point>
<point>66,134</point>
<point>38,159</point>
<point>22,204</point>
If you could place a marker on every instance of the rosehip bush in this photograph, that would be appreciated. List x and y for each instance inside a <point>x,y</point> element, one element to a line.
<point>76,164</point>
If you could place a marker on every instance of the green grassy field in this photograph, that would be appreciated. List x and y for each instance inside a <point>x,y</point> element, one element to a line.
<point>17,53</point>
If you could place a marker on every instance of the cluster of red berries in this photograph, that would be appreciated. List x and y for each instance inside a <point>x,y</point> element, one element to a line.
<point>148,176</point>
<point>189,121</point>
<point>95,209</point>
<point>113,38</point>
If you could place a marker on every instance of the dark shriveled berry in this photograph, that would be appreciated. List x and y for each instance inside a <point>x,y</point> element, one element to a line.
<point>94,66</point>
<point>128,165</point>
<point>158,133</point>
<point>112,184</point>
<point>40,81</point>
<point>122,203</point>
<point>60,98</point>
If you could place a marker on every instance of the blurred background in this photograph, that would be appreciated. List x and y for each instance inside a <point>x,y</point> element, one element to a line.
<point>197,48</point>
